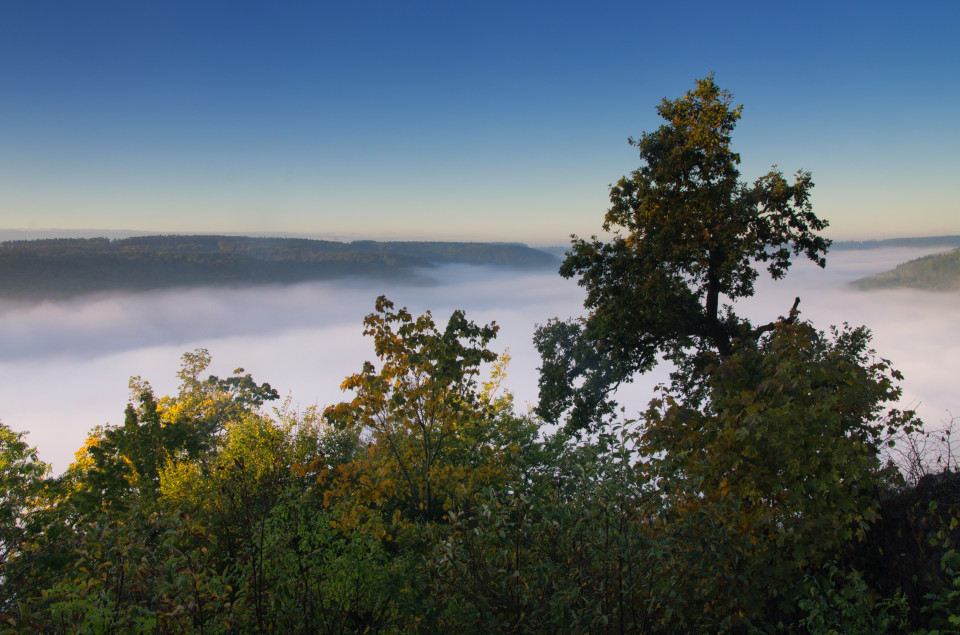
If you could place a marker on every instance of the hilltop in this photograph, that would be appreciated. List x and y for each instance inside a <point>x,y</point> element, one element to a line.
<point>937,272</point>
<point>66,267</point>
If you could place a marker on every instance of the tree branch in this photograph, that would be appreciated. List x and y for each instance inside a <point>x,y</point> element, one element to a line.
<point>790,319</point>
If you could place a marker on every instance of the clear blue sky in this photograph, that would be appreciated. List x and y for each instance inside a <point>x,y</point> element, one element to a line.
<point>481,120</point>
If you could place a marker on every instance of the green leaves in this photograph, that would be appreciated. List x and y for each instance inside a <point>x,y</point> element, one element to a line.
<point>418,404</point>
<point>22,492</point>
<point>687,236</point>
<point>424,504</point>
<point>788,440</point>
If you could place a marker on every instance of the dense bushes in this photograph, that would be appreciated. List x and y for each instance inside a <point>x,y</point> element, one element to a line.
<point>426,503</point>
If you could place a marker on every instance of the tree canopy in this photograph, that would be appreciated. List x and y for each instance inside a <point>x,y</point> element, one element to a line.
<point>424,503</point>
<point>686,238</point>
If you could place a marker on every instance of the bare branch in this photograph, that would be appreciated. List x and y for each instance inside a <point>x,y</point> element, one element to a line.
<point>790,319</point>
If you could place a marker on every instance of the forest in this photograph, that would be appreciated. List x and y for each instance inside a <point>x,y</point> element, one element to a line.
<point>937,272</point>
<point>772,485</point>
<point>67,267</point>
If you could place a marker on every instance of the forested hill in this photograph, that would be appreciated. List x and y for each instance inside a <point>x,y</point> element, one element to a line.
<point>938,272</point>
<point>65,267</point>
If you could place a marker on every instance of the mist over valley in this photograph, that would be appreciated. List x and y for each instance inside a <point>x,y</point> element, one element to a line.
<point>65,364</point>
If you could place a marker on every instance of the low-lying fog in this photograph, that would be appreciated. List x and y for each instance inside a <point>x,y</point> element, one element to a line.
<point>64,366</point>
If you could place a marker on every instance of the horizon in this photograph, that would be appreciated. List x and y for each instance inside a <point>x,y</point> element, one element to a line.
<point>489,122</point>
<point>13,234</point>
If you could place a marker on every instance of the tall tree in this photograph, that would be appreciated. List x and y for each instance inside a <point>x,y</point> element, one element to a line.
<point>686,236</point>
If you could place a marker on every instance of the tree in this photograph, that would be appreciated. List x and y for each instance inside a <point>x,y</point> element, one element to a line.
<point>686,236</point>
<point>419,405</point>
<point>21,483</point>
<point>786,451</point>
<point>120,461</point>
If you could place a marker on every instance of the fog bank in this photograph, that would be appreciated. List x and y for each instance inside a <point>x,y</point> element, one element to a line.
<point>64,366</point>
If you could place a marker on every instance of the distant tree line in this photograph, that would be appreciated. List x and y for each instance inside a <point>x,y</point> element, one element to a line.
<point>937,272</point>
<point>919,241</point>
<point>56,268</point>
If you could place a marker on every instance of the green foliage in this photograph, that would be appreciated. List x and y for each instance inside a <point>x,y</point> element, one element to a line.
<point>119,461</point>
<point>560,548</point>
<point>840,602</point>
<point>133,578</point>
<point>789,443</point>
<point>21,480</point>
<point>686,233</point>
<point>943,607</point>
<point>22,485</point>
<point>426,504</point>
<point>418,407</point>
<point>792,424</point>
<point>905,550</point>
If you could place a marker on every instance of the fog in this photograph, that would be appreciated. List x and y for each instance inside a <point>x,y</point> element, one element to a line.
<point>64,366</point>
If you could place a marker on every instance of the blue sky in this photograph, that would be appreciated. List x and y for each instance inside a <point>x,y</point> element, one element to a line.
<point>459,119</point>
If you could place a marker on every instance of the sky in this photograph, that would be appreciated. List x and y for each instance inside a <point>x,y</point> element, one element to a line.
<point>457,119</point>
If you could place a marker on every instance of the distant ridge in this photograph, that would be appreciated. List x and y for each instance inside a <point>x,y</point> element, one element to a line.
<point>921,241</point>
<point>839,245</point>
<point>938,272</point>
<point>67,267</point>
<point>505,254</point>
